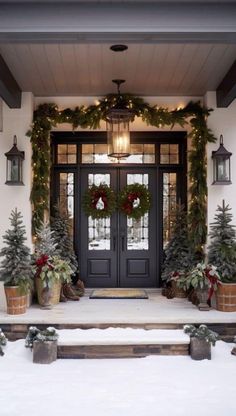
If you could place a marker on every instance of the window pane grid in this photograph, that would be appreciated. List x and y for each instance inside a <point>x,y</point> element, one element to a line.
<point>66,153</point>
<point>169,154</point>
<point>169,205</point>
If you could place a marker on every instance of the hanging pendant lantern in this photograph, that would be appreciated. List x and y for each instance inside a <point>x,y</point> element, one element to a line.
<point>221,165</point>
<point>14,165</point>
<point>118,135</point>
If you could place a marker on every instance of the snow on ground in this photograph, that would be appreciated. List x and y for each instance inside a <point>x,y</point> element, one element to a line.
<point>158,386</point>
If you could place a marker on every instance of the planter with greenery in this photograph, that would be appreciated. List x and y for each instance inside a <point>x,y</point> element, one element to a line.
<point>16,269</point>
<point>201,340</point>
<point>43,343</point>
<point>205,279</point>
<point>3,342</point>
<point>49,269</point>
<point>222,253</point>
<point>178,256</point>
<point>61,227</point>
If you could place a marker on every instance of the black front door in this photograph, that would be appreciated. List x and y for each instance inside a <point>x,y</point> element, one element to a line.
<point>119,251</point>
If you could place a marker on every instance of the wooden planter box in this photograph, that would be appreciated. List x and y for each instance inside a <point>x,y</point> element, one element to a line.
<point>200,349</point>
<point>44,352</point>
<point>226,297</point>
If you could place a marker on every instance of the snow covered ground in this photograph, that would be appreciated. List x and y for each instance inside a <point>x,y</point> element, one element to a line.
<point>151,386</point>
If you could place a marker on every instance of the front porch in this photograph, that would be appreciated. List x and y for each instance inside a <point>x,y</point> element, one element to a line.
<point>156,312</point>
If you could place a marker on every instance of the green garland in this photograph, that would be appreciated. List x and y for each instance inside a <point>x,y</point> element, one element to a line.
<point>47,116</point>
<point>99,201</point>
<point>134,200</point>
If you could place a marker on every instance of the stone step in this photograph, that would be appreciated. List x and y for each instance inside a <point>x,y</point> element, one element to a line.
<point>121,343</point>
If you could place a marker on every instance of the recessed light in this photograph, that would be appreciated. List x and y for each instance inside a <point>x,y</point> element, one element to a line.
<point>119,48</point>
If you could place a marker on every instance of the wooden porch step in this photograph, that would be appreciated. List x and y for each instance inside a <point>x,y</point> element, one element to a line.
<point>121,343</point>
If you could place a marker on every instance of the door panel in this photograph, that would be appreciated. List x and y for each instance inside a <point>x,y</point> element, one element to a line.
<point>138,254</point>
<point>98,237</point>
<point>119,251</point>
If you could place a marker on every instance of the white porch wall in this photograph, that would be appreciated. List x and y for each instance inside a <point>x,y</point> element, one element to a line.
<point>16,121</point>
<point>221,121</point>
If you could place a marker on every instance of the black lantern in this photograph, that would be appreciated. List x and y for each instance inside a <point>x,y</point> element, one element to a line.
<point>118,118</point>
<point>221,165</point>
<point>14,165</point>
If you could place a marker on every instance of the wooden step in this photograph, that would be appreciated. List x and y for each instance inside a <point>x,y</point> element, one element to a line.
<point>121,343</point>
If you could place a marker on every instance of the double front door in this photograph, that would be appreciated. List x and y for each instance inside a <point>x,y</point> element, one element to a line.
<point>119,251</point>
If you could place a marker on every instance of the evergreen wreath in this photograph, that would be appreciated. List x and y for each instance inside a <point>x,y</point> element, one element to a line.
<point>99,201</point>
<point>135,200</point>
<point>47,116</point>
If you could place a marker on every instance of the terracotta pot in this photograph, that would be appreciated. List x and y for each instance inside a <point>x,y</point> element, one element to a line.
<point>48,296</point>
<point>16,301</point>
<point>226,297</point>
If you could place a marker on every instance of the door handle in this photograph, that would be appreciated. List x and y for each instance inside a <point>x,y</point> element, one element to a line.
<point>123,243</point>
<point>114,243</point>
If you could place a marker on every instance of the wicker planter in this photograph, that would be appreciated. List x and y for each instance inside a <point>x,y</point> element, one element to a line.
<point>16,301</point>
<point>177,292</point>
<point>44,352</point>
<point>200,349</point>
<point>226,297</point>
<point>48,297</point>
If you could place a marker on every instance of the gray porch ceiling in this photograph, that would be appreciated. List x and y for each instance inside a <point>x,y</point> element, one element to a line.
<point>149,69</point>
<point>59,48</point>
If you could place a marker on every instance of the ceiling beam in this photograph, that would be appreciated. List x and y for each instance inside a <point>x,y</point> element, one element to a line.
<point>226,91</point>
<point>9,89</point>
<point>85,21</point>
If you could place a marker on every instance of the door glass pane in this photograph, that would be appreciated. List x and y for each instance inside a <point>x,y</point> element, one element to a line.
<point>97,153</point>
<point>169,205</point>
<point>99,230</point>
<point>66,197</point>
<point>138,230</point>
<point>169,154</point>
<point>66,153</point>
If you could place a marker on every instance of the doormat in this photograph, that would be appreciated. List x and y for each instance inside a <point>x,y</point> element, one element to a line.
<point>119,294</point>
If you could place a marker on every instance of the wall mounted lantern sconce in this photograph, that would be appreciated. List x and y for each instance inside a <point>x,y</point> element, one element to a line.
<point>14,165</point>
<point>118,135</point>
<point>221,165</point>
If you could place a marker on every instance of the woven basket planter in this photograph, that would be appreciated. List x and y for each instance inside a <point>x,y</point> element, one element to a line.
<point>176,291</point>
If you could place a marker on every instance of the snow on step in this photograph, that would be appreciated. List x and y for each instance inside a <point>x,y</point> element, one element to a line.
<point>121,336</point>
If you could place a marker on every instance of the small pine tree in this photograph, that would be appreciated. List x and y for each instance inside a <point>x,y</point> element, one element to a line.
<point>222,249</point>
<point>60,226</point>
<point>45,243</point>
<point>178,252</point>
<point>16,267</point>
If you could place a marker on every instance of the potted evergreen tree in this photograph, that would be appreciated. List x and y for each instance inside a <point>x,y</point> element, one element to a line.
<point>51,271</point>
<point>222,253</point>
<point>60,225</point>
<point>16,269</point>
<point>178,257</point>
